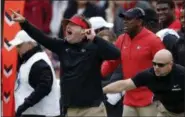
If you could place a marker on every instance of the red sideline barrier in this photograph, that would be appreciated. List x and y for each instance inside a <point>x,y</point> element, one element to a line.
<point>9,56</point>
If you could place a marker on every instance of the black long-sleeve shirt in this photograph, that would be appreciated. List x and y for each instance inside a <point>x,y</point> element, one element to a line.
<point>80,63</point>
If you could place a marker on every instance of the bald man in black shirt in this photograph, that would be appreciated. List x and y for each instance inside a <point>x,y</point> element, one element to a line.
<point>165,79</point>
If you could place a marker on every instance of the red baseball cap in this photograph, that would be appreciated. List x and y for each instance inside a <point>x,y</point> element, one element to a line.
<point>78,20</point>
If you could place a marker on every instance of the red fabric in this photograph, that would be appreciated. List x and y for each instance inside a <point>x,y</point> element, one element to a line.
<point>39,13</point>
<point>129,4</point>
<point>78,21</point>
<point>176,25</point>
<point>177,13</point>
<point>136,55</point>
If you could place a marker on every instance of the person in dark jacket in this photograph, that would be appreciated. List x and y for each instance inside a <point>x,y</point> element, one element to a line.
<point>179,48</point>
<point>37,90</point>
<point>81,54</point>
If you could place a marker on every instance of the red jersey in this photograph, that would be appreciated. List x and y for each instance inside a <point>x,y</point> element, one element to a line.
<point>39,13</point>
<point>136,55</point>
<point>175,25</point>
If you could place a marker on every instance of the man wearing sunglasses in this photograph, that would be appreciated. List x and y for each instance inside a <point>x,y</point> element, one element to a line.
<point>165,79</point>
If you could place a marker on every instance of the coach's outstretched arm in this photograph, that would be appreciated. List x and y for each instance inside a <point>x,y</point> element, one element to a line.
<point>141,79</point>
<point>119,86</point>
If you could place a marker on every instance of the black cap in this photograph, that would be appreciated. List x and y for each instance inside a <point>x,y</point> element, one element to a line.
<point>133,13</point>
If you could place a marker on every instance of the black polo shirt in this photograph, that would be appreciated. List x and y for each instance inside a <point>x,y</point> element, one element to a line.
<point>167,89</point>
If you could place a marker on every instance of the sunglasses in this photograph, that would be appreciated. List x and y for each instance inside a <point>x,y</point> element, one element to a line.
<point>159,64</point>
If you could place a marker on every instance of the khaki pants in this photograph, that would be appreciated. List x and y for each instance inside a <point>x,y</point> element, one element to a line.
<point>87,112</point>
<point>150,110</point>
<point>162,112</point>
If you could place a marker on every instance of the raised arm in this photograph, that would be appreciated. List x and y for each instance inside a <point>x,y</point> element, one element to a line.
<point>110,65</point>
<point>51,43</point>
<point>107,51</point>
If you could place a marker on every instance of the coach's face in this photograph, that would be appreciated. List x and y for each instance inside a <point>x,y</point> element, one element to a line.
<point>74,33</point>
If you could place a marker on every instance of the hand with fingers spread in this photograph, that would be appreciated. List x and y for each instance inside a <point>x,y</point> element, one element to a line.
<point>17,17</point>
<point>90,34</point>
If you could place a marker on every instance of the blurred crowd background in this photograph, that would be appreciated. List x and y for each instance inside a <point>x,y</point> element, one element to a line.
<point>48,14</point>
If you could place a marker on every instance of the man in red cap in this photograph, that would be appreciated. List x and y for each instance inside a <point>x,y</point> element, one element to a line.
<point>75,28</point>
<point>81,54</point>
